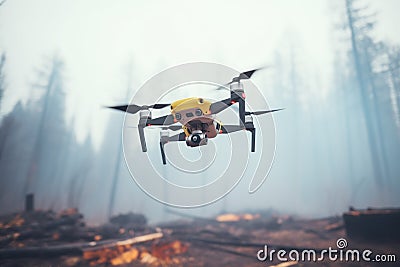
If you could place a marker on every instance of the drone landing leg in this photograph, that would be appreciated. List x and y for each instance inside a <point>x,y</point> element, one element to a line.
<point>164,139</point>
<point>164,161</point>
<point>142,138</point>
<point>242,106</point>
<point>253,139</point>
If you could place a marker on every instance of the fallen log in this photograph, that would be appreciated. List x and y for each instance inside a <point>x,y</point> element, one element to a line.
<point>67,223</point>
<point>72,249</point>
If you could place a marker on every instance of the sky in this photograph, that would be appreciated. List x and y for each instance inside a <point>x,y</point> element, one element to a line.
<point>110,48</point>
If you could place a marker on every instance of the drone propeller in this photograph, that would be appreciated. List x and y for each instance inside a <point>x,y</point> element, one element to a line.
<point>261,112</point>
<point>247,74</point>
<point>242,76</point>
<point>135,108</point>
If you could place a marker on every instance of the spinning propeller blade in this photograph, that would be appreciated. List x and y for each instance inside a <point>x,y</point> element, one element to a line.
<point>242,76</point>
<point>135,108</point>
<point>261,112</point>
<point>249,73</point>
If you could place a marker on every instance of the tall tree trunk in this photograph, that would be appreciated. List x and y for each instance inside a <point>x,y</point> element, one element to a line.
<point>394,85</point>
<point>379,127</point>
<point>364,98</point>
<point>347,125</point>
<point>36,152</point>
<point>115,181</point>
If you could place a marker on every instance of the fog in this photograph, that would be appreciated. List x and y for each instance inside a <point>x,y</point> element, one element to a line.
<point>334,68</point>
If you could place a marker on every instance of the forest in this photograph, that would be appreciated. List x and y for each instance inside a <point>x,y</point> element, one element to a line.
<point>335,149</point>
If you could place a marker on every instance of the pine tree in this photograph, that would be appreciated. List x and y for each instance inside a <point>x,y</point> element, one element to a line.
<point>359,26</point>
<point>46,163</point>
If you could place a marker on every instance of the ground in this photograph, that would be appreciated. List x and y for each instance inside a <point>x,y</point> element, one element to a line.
<point>48,239</point>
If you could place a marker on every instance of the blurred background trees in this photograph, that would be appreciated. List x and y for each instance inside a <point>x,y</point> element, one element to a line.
<point>336,146</point>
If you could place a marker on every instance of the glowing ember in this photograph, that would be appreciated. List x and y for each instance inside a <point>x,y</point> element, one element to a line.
<point>159,254</point>
<point>230,217</point>
<point>16,221</point>
<point>146,257</point>
<point>125,257</point>
<point>166,250</point>
<point>69,211</point>
<point>285,264</point>
<point>56,236</point>
<point>250,217</point>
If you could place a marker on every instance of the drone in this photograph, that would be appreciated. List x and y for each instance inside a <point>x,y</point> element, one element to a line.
<point>195,117</point>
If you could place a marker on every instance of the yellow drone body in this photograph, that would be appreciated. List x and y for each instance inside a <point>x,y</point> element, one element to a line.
<point>191,103</point>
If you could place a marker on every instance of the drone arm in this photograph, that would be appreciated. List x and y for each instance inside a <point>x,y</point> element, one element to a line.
<point>177,137</point>
<point>219,106</point>
<point>164,120</point>
<point>224,129</point>
<point>144,122</point>
<point>249,126</point>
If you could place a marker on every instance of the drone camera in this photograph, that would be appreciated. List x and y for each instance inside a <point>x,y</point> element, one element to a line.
<point>197,138</point>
